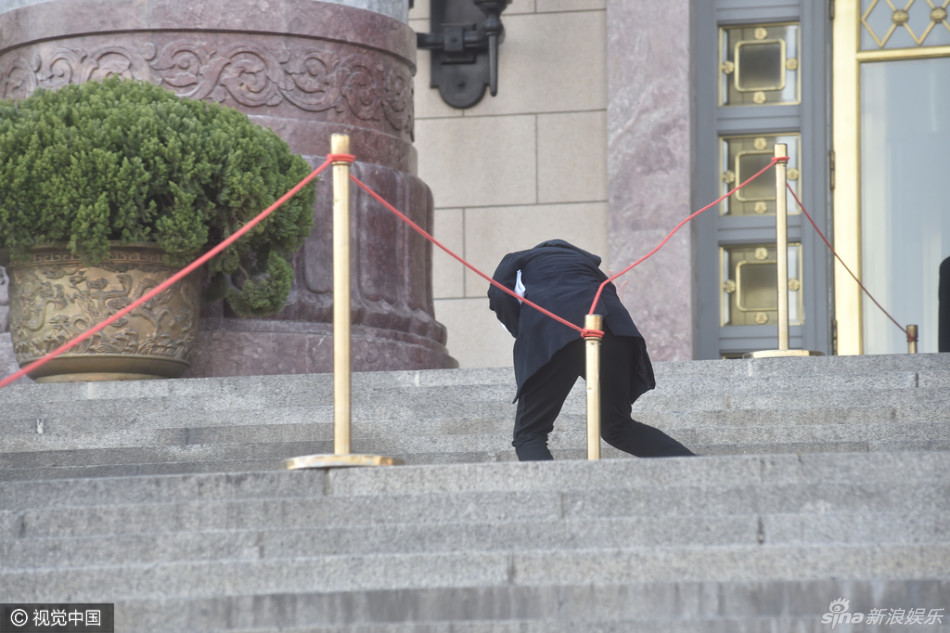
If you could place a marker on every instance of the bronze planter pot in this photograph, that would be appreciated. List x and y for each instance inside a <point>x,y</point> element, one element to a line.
<point>54,297</point>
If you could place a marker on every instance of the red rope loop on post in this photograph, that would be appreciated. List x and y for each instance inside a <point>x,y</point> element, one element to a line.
<point>341,158</point>
<point>585,333</point>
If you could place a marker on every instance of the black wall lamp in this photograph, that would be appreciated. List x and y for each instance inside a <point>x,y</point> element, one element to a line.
<point>464,43</point>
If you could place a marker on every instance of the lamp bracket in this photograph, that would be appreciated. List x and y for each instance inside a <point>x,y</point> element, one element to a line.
<point>464,44</point>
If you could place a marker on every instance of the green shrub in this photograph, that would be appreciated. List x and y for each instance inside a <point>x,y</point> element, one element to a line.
<point>128,162</point>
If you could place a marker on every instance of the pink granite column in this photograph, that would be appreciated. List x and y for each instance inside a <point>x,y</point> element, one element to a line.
<point>307,69</point>
<point>648,163</point>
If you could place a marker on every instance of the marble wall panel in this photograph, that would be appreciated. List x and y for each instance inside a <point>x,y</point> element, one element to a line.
<point>572,165</point>
<point>648,158</point>
<point>550,62</point>
<point>479,161</point>
<point>495,231</point>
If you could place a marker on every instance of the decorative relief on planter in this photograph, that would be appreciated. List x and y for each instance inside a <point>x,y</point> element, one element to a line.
<point>55,297</point>
<point>311,79</point>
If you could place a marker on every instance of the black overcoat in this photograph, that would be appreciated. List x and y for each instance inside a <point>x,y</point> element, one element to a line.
<point>563,279</point>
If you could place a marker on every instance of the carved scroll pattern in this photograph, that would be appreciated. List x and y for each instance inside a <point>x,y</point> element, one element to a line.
<point>314,80</point>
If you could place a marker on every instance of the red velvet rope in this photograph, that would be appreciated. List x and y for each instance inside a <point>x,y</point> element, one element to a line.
<point>429,237</point>
<point>907,334</point>
<point>580,330</point>
<point>349,158</point>
<point>775,159</point>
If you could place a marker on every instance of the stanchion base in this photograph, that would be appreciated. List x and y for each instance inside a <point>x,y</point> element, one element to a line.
<point>338,461</point>
<point>781,353</point>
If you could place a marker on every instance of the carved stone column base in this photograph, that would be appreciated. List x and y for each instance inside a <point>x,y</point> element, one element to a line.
<point>281,347</point>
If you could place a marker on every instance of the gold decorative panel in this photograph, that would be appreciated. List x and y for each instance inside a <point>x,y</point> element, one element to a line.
<point>743,156</point>
<point>758,64</point>
<point>749,295</point>
<point>886,24</point>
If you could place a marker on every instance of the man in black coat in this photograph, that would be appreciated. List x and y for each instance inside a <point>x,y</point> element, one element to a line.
<point>943,307</point>
<point>549,356</point>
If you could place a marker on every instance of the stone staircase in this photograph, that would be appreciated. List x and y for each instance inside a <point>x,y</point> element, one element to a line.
<point>822,478</point>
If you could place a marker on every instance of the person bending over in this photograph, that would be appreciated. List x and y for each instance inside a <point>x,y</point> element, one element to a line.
<point>549,356</point>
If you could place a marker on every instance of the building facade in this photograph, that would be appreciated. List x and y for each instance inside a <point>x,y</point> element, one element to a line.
<point>615,120</point>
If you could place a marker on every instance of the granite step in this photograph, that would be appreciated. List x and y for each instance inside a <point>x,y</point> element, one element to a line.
<point>553,568</point>
<point>235,448</point>
<point>702,543</point>
<point>676,607</point>
<point>577,475</point>
<point>905,526</point>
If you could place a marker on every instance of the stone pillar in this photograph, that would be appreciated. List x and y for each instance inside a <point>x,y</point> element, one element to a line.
<point>307,69</point>
<point>648,162</point>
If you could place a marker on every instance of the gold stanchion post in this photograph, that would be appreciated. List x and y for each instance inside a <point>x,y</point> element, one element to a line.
<point>592,343</point>
<point>781,261</point>
<point>342,348</point>
<point>781,244</point>
<point>911,339</point>
<point>340,145</point>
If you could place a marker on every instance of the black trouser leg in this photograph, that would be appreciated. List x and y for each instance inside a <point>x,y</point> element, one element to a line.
<point>544,393</point>
<point>541,400</point>
<point>617,427</point>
